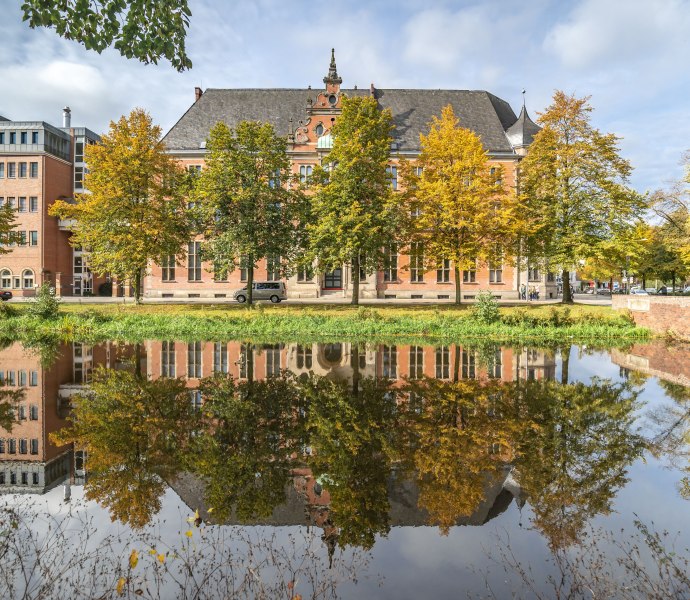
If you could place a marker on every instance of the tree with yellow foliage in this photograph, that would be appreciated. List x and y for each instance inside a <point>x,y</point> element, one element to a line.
<point>135,208</point>
<point>462,212</point>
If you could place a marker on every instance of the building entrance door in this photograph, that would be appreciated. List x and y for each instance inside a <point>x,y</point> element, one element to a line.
<point>333,280</point>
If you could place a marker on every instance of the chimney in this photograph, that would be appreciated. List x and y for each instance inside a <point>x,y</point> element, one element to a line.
<point>197,94</point>
<point>66,117</point>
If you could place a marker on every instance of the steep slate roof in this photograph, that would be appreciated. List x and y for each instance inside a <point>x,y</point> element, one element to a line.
<point>484,113</point>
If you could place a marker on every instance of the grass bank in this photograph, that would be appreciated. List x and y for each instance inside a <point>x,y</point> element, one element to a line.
<point>319,323</point>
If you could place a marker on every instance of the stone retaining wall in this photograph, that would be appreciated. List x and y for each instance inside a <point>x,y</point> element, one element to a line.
<point>661,314</point>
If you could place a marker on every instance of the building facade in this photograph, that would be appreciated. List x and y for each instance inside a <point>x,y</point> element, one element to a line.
<point>40,163</point>
<point>305,117</point>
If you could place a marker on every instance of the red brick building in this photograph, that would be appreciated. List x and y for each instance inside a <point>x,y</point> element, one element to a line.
<point>305,117</point>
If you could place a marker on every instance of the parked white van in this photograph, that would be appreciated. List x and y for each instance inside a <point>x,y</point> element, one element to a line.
<point>263,290</point>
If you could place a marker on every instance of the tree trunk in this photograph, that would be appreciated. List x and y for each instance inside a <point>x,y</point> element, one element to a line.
<point>456,364</point>
<point>137,286</point>
<point>611,284</point>
<point>458,295</point>
<point>137,359</point>
<point>249,357</point>
<point>565,364</point>
<point>567,292</point>
<point>644,281</point>
<point>250,280</point>
<point>356,376</point>
<point>355,281</point>
<point>673,282</point>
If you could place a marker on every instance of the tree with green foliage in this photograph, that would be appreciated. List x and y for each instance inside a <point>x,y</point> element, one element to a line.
<point>147,30</point>
<point>463,212</point>
<point>135,210</point>
<point>249,210</point>
<point>8,233</point>
<point>135,433</point>
<point>574,188</point>
<point>355,213</point>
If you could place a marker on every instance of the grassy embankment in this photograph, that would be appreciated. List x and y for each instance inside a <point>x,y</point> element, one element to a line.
<point>266,322</point>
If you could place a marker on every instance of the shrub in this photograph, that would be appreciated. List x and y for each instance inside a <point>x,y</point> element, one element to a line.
<point>486,308</point>
<point>364,313</point>
<point>7,310</point>
<point>45,305</point>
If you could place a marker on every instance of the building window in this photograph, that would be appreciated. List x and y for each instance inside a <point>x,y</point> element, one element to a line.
<point>550,277</point>
<point>443,272</point>
<point>246,354</point>
<point>195,396</point>
<point>2,448</point>
<point>273,267</point>
<point>22,170</point>
<point>33,378</point>
<point>533,273</point>
<point>168,268</point>
<point>34,478</point>
<point>390,362</point>
<point>13,137</point>
<point>273,360</point>
<point>168,359</point>
<point>21,204</point>
<point>34,446</point>
<point>393,176</point>
<point>11,378</point>
<point>305,172</point>
<point>274,179</point>
<point>495,273</point>
<point>469,275</point>
<point>2,169</point>
<point>22,378</point>
<point>319,129</point>
<point>24,137</point>
<point>416,362</point>
<point>220,357</point>
<point>28,279</point>
<point>390,263</point>
<point>11,446</point>
<point>33,238</point>
<point>194,261</point>
<point>78,177</point>
<point>33,170</point>
<point>6,279</point>
<point>21,238</point>
<point>244,264</point>
<point>305,273</point>
<point>496,365</point>
<point>33,204</point>
<point>443,362</point>
<point>304,357</point>
<point>23,446</point>
<point>33,412</point>
<point>11,170</point>
<point>416,262</point>
<point>34,138</point>
<point>21,413</point>
<point>194,359</point>
<point>468,365</point>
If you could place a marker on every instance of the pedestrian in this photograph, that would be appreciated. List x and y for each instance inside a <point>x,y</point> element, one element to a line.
<point>523,292</point>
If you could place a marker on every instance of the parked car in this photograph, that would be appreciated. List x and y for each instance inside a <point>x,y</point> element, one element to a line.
<point>639,292</point>
<point>650,290</point>
<point>263,290</point>
<point>602,292</point>
<point>5,295</point>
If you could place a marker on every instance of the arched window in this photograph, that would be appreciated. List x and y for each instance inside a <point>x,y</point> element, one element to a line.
<point>28,279</point>
<point>6,279</point>
<point>319,129</point>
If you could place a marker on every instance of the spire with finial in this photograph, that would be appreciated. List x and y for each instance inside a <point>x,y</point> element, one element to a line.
<point>522,132</point>
<point>332,77</point>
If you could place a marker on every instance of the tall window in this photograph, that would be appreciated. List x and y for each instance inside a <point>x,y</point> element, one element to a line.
<point>21,204</point>
<point>495,273</point>
<point>6,279</point>
<point>2,169</point>
<point>470,275</point>
<point>416,262</point>
<point>22,170</point>
<point>194,359</point>
<point>393,176</point>
<point>33,204</point>
<point>220,357</point>
<point>416,362</point>
<point>246,354</point>
<point>195,396</point>
<point>11,170</point>
<point>78,177</point>
<point>33,238</point>
<point>468,364</point>
<point>33,412</point>
<point>390,362</point>
<point>305,273</point>
<point>33,170</point>
<point>442,362</point>
<point>168,268</point>
<point>305,172</point>
<point>390,263</point>
<point>274,179</point>
<point>496,365</point>
<point>34,446</point>
<point>304,357</point>
<point>273,267</point>
<point>532,273</point>
<point>168,359</point>
<point>24,137</point>
<point>33,378</point>
<point>243,267</point>
<point>273,360</point>
<point>443,272</point>
<point>34,137</point>
<point>194,261</point>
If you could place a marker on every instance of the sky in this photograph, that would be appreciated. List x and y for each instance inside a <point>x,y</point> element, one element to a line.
<point>630,56</point>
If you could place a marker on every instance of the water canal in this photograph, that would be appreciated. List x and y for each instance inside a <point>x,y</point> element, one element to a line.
<point>235,470</point>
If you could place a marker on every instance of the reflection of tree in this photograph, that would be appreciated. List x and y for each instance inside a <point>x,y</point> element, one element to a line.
<point>574,451</point>
<point>134,432</point>
<point>465,435</point>
<point>353,433</point>
<point>671,430</point>
<point>9,400</point>
<point>246,453</point>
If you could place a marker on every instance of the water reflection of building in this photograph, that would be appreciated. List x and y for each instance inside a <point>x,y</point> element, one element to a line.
<point>29,461</point>
<point>656,359</point>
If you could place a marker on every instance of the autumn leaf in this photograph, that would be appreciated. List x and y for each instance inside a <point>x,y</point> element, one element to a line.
<point>121,585</point>
<point>133,559</point>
